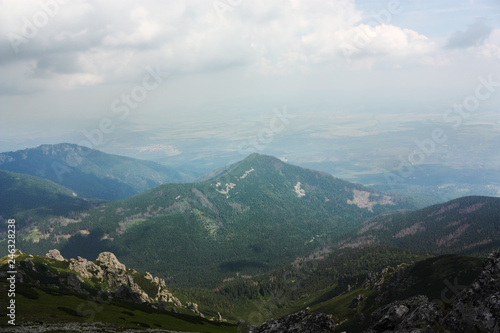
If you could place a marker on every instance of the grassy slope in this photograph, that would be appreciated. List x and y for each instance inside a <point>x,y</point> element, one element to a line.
<point>61,306</point>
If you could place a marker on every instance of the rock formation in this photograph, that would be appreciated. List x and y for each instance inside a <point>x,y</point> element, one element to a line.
<point>415,314</point>
<point>106,275</point>
<point>300,322</point>
<point>478,307</point>
<point>55,254</point>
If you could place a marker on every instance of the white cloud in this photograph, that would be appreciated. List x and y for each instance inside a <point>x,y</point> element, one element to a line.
<point>383,40</point>
<point>91,52</point>
<point>491,46</point>
<point>100,42</point>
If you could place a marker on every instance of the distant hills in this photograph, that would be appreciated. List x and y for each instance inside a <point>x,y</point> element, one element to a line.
<point>434,183</point>
<point>469,225</point>
<point>89,172</point>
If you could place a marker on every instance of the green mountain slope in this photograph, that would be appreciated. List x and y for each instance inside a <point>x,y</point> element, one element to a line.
<point>89,172</point>
<point>27,199</point>
<point>257,216</point>
<point>469,225</point>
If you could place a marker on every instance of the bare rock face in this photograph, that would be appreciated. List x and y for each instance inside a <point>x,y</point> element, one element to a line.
<point>111,271</point>
<point>86,268</point>
<point>415,314</point>
<point>300,322</point>
<point>55,254</point>
<point>110,262</point>
<point>113,278</point>
<point>163,295</point>
<point>478,307</point>
<point>114,274</point>
<point>194,307</point>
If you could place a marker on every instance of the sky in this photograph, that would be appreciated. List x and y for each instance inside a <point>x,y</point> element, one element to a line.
<point>202,78</point>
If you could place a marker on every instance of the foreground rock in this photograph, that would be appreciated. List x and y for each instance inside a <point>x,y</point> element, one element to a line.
<point>412,315</point>
<point>475,309</point>
<point>478,307</point>
<point>300,322</point>
<point>93,327</point>
<point>106,276</point>
<point>55,254</point>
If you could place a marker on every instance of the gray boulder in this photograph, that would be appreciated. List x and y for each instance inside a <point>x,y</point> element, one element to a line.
<point>300,322</point>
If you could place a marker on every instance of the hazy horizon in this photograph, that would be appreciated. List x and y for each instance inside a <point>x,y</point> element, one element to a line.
<point>317,81</point>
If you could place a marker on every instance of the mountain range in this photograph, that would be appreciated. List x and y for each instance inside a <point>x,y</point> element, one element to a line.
<point>91,173</point>
<point>257,239</point>
<point>256,216</point>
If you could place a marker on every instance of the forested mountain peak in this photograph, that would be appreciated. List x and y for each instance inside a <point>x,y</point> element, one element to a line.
<point>259,214</point>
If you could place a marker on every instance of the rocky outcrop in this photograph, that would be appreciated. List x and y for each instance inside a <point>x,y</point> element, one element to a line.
<point>415,314</point>
<point>55,254</point>
<point>94,327</point>
<point>300,322</point>
<point>118,279</point>
<point>390,281</point>
<point>163,295</point>
<point>194,307</point>
<point>110,262</point>
<point>478,307</point>
<point>87,269</point>
<point>105,275</point>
